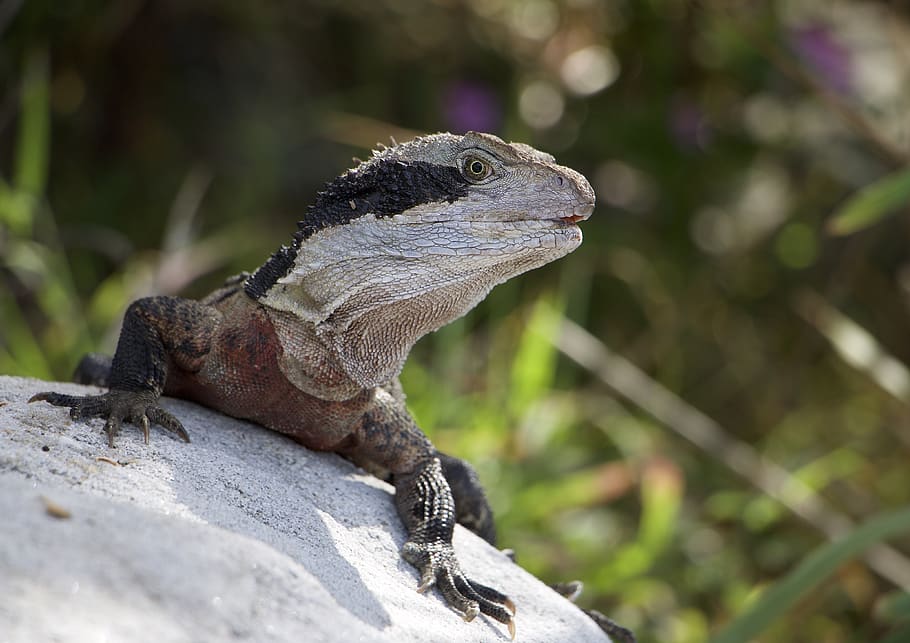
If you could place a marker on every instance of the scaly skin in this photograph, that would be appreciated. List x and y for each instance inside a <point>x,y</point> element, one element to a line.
<point>311,344</point>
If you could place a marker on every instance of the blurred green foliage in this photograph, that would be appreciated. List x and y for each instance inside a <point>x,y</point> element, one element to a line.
<point>811,571</point>
<point>872,203</point>
<point>156,147</point>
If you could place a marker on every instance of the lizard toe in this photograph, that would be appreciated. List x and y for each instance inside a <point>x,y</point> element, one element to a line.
<point>167,421</point>
<point>492,608</point>
<point>492,595</point>
<point>80,406</point>
<point>90,406</point>
<point>57,399</point>
<point>451,585</point>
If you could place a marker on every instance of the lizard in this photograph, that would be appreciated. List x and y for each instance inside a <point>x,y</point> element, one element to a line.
<point>311,343</point>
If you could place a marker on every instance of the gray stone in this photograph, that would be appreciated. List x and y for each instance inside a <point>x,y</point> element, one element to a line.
<point>241,535</point>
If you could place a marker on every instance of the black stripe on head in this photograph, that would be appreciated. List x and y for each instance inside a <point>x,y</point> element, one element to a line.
<point>384,187</point>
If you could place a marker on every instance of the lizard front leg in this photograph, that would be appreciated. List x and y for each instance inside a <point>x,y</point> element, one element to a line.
<point>389,437</point>
<point>157,332</point>
<point>472,509</point>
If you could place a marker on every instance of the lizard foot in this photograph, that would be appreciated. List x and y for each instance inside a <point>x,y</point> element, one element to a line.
<point>614,630</point>
<point>438,566</point>
<point>572,589</point>
<point>138,407</point>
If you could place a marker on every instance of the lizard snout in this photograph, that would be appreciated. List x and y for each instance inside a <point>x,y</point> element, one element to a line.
<point>579,213</point>
<point>584,211</point>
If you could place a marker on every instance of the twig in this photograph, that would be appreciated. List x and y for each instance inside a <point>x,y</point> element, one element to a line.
<point>854,344</point>
<point>633,384</point>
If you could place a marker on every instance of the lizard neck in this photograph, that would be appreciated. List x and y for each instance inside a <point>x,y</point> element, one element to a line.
<point>369,304</point>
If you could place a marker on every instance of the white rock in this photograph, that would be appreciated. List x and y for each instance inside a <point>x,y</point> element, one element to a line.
<point>241,535</point>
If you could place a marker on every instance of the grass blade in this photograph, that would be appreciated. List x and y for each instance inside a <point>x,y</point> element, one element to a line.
<point>872,203</point>
<point>823,562</point>
<point>34,136</point>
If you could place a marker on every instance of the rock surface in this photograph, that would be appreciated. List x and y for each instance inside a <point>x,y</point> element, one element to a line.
<point>241,535</point>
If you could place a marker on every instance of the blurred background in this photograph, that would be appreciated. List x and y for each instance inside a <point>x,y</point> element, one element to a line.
<point>680,412</point>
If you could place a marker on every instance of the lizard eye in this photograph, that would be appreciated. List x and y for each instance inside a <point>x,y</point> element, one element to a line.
<point>476,169</point>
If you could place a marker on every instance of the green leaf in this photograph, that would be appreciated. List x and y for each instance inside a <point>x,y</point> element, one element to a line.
<point>661,499</point>
<point>34,134</point>
<point>872,203</point>
<point>18,202</point>
<point>20,352</point>
<point>535,361</point>
<point>571,490</point>
<point>823,562</point>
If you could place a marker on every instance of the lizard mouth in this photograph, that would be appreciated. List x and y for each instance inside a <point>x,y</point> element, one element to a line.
<point>580,213</point>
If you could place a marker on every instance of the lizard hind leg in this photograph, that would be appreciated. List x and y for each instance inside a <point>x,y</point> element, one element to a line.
<point>472,510</point>
<point>94,369</point>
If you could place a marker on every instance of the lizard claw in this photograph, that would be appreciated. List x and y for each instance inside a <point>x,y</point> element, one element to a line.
<point>471,613</point>
<point>116,406</point>
<point>144,423</point>
<point>427,580</point>
<point>438,566</point>
<point>112,428</point>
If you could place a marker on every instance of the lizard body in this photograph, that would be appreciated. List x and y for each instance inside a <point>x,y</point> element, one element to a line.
<point>312,342</point>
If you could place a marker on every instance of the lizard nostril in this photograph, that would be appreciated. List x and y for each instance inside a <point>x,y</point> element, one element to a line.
<point>559,181</point>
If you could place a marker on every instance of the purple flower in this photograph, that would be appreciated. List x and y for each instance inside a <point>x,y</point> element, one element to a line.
<point>817,46</point>
<point>471,106</point>
<point>688,124</point>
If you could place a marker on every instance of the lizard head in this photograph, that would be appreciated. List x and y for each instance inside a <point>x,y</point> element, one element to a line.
<point>491,197</point>
<point>422,231</point>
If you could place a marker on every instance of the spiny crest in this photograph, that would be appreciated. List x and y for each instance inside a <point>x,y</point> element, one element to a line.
<point>443,148</point>
<point>438,148</point>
